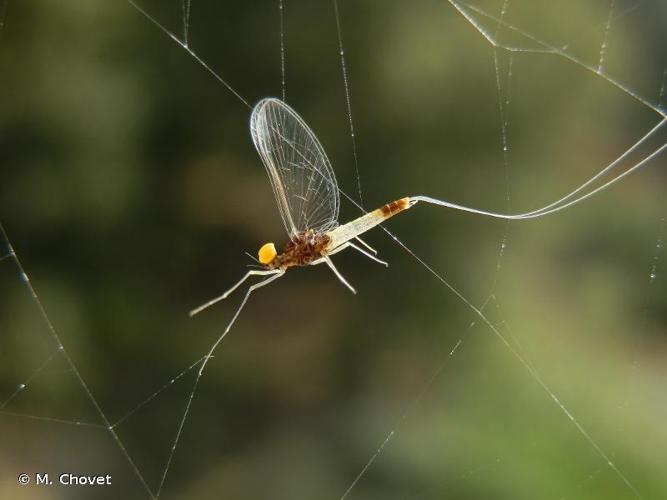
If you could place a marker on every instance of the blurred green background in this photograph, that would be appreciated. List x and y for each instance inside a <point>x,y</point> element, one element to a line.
<point>130,189</point>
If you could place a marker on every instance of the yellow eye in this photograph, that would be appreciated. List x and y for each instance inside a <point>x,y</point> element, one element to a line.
<point>267,253</point>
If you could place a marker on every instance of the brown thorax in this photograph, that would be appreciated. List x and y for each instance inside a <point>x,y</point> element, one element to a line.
<point>301,251</point>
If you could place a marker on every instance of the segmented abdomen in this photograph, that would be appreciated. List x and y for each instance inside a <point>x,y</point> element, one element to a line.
<point>367,221</point>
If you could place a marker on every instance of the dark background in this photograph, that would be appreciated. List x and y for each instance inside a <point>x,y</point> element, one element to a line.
<point>130,189</point>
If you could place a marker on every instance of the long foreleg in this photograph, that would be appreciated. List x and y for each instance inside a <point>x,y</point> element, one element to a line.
<point>251,289</point>
<point>239,283</point>
<point>207,358</point>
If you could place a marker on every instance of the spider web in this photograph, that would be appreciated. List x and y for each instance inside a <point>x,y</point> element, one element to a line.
<point>124,392</point>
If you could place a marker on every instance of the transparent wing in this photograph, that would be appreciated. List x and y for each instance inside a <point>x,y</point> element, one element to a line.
<point>301,175</point>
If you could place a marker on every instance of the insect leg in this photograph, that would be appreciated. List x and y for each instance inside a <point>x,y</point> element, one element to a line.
<point>349,244</point>
<point>368,247</point>
<point>338,275</point>
<point>277,274</point>
<point>226,294</point>
<point>369,255</point>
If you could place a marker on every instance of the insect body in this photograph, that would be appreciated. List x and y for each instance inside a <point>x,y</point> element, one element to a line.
<point>304,249</point>
<point>306,191</point>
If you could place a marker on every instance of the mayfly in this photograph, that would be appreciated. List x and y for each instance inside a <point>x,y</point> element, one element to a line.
<point>308,199</point>
<point>307,194</point>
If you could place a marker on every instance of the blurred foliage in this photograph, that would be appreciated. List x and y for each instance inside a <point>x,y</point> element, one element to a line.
<point>130,189</point>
